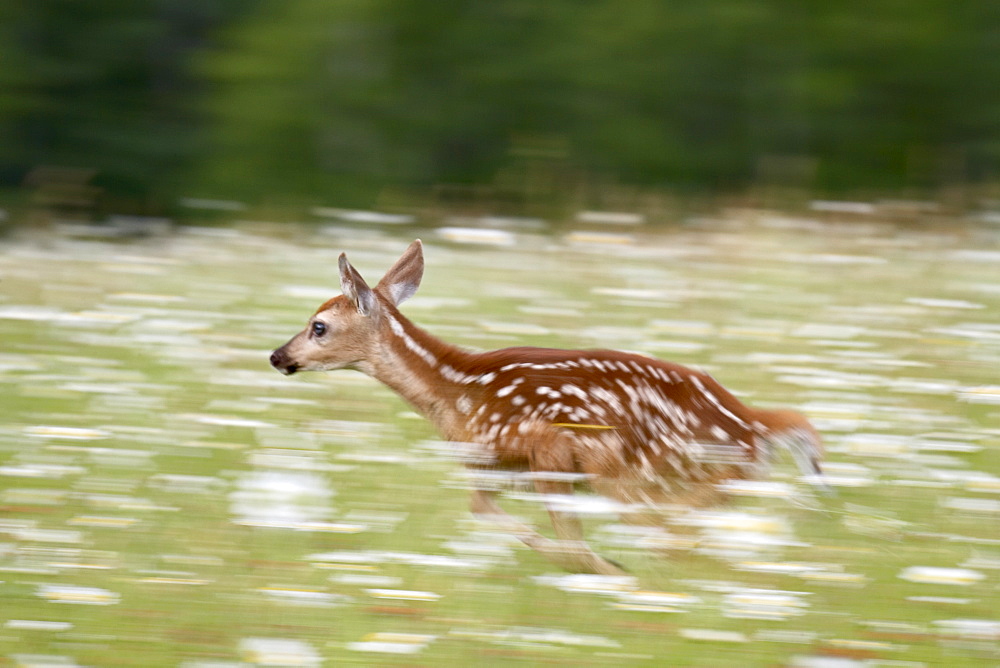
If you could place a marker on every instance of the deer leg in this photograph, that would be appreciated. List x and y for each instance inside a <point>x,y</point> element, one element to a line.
<point>484,504</point>
<point>571,550</point>
<point>573,555</point>
<point>645,501</point>
<point>555,455</point>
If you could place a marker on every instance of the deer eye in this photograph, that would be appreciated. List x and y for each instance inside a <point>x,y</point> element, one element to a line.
<point>318,328</point>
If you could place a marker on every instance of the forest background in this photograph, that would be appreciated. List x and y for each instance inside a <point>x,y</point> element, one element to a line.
<point>364,103</point>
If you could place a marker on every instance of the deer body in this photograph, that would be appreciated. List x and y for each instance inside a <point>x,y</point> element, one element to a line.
<point>639,428</point>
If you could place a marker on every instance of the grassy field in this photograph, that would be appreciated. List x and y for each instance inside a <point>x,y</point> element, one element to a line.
<point>167,499</point>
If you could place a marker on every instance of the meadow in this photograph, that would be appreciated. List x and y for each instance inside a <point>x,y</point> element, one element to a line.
<point>168,499</point>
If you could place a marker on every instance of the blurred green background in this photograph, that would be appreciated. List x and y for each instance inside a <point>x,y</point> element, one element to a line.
<point>364,103</point>
<point>168,499</point>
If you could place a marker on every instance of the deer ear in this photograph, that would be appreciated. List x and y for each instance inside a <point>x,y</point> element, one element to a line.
<point>355,288</point>
<point>403,279</point>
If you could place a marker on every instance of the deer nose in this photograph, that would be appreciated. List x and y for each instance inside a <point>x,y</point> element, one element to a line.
<point>280,362</point>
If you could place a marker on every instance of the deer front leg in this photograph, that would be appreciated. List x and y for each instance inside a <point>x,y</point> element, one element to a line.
<point>553,453</point>
<point>571,550</point>
<point>483,504</point>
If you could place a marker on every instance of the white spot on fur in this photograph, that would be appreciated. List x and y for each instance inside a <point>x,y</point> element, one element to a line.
<point>410,343</point>
<point>719,433</point>
<point>454,376</point>
<point>712,399</point>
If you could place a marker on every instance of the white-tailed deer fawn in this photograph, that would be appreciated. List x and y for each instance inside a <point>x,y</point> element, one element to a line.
<point>637,428</point>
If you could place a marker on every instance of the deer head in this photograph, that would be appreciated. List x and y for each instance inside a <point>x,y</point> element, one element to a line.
<point>345,331</point>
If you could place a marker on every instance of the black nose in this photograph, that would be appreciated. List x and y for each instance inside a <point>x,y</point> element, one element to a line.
<point>280,362</point>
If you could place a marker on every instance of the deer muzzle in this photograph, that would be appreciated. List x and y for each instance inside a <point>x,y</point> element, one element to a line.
<point>281,362</point>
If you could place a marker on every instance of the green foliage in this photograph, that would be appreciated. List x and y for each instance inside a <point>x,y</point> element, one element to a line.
<point>338,100</point>
<point>102,86</point>
<point>873,95</point>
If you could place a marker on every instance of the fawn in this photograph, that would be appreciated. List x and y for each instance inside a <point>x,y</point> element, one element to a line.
<point>640,430</point>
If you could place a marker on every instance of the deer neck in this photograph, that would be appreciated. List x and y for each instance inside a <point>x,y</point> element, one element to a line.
<point>420,368</point>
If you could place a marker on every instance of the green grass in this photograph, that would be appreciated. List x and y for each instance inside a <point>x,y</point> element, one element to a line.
<point>157,350</point>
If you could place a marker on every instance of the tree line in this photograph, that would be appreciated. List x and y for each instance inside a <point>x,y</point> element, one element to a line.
<point>338,101</point>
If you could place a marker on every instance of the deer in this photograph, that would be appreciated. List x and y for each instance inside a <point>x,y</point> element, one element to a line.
<point>637,429</point>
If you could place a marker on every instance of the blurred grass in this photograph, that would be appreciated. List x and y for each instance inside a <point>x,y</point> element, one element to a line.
<point>160,347</point>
